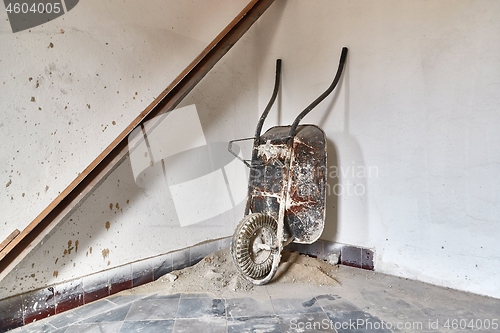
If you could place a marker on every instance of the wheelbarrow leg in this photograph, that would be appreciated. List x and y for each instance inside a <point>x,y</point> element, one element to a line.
<point>246,250</point>
<point>280,239</point>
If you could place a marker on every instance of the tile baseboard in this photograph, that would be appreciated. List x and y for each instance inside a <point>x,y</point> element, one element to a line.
<point>337,253</point>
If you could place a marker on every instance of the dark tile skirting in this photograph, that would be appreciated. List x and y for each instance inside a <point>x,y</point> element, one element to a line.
<point>26,308</point>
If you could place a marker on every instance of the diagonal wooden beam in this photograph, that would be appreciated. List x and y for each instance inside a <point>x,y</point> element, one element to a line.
<point>9,239</point>
<point>86,182</point>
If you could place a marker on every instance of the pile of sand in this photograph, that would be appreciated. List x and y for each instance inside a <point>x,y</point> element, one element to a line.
<point>217,274</point>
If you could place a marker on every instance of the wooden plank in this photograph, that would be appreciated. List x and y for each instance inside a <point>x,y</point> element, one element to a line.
<point>86,182</point>
<point>9,239</point>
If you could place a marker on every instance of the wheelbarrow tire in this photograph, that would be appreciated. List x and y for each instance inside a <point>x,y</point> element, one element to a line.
<point>252,244</point>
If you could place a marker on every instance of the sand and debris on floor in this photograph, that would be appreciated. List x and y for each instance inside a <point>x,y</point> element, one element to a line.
<point>216,274</point>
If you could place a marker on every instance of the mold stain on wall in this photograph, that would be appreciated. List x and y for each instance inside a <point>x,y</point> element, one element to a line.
<point>105,253</point>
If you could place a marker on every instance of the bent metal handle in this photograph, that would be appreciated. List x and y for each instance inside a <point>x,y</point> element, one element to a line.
<point>318,100</point>
<point>271,101</point>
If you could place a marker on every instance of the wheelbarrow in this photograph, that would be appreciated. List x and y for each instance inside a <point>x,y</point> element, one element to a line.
<point>286,190</point>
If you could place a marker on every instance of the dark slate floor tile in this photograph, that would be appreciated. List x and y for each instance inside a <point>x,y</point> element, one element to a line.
<point>331,307</point>
<point>249,307</point>
<point>147,326</point>
<point>197,295</point>
<point>64,319</point>
<point>95,328</point>
<point>442,313</point>
<point>205,325</point>
<point>332,303</point>
<point>114,315</point>
<point>201,307</point>
<point>123,299</point>
<point>94,308</point>
<point>295,305</point>
<point>159,296</point>
<point>357,321</point>
<point>253,325</point>
<point>306,322</point>
<point>327,299</point>
<point>153,309</point>
<point>36,327</point>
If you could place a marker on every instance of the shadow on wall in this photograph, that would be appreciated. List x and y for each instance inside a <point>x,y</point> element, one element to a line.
<point>332,200</point>
<point>347,206</point>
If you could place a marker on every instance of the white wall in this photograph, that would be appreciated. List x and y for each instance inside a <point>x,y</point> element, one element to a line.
<point>148,45</point>
<point>418,108</point>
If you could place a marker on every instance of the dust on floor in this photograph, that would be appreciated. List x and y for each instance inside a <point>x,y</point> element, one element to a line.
<point>217,274</point>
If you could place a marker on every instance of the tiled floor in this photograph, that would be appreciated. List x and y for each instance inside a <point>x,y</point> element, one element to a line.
<point>362,302</point>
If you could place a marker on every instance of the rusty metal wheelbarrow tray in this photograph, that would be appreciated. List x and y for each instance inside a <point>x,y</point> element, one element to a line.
<point>286,190</point>
<point>305,192</point>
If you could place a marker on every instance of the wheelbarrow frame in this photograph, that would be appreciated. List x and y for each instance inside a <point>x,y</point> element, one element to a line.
<point>286,191</point>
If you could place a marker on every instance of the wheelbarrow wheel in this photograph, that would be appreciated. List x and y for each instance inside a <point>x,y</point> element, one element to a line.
<point>252,245</point>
